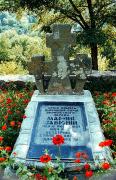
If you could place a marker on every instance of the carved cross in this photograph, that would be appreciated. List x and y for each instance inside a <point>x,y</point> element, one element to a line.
<point>60,41</point>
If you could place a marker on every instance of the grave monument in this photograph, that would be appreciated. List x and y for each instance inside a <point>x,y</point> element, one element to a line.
<point>60,106</point>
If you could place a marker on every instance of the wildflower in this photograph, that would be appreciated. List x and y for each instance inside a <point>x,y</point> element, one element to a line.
<point>114,94</point>
<point>26,101</point>
<point>105,166</point>
<point>75,178</point>
<point>78,154</point>
<point>40,177</point>
<point>1,138</point>
<point>9,111</point>
<point>107,142</point>
<point>12,123</point>
<point>8,148</point>
<point>87,166</point>
<point>77,161</point>
<point>45,158</point>
<point>8,100</point>
<point>106,102</point>
<point>24,116</point>
<point>14,153</point>
<point>5,117</point>
<point>2,159</point>
<point>88,174</point>
<point>4,127</point>
<point>58,140</point>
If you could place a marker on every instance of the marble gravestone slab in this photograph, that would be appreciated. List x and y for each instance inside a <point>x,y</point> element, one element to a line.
<point>74,116</point>
<point>65,118</point>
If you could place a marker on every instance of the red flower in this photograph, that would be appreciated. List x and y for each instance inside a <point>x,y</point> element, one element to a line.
<point>12,123</point>
<point>14,153</point>
<point>1,148</point>
<point>8,100</point>
<point>58,140</point>
<point>106,166</point>
<point>2,159</point>
<point>5,117</point>
<point>78,154</point>
<point>4,127</point>
<point>84,155</point>
<point>77,161</point>
<point>24,116</point>
<point>26,101</point>
<point>75,178</point>
<point>86,166</point>
<point>40,177</point>
<point>106,102</point>
<point>8,148</point>
<point>114,94</point>
<point>9,111</point>
<point>88,174</point>
<point>106,121</point>
<point>19,124</point>
<point>45,158</point>
<point>107,142</point>
<point>1,138</point>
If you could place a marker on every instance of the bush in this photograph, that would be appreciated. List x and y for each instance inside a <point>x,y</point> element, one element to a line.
<point>12,67</point>
<point>20,48</point>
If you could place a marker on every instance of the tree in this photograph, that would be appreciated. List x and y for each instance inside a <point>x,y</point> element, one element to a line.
<point>91,15</point>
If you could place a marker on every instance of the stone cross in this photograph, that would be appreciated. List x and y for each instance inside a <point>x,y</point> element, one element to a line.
<point>60,41</point>
<point>60,71</point>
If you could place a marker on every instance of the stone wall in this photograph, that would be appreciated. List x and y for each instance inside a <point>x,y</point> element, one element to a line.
<point>102,81</point>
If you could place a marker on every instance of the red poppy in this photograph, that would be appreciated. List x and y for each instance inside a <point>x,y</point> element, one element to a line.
<point>87,166</point>
<point>8,100</point>
<point>107,142</point>
<point>114,94</point>
<point>75,178</point>
<point>1,138</point>
<point>77,161</point>
<point>5,117</point>
<point>9,111</point>
<point>26,101</point>
<point>8,148</point>
<point>106,102</point>
<point>88,174</point>
<point>24,116</point>
<point>45,158</point>
<point>78,154</point>
<point>58,140</point>
<point>40,177</point>
<point>105,166</point>
<point>106,121</point>
<point>4,127</point>
<point>12,123</point>
<point>2,159</point>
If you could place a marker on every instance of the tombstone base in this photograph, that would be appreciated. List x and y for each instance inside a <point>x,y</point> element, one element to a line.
<point>91,130</point>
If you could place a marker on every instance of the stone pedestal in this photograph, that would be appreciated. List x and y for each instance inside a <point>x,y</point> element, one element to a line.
<point>92,133</point>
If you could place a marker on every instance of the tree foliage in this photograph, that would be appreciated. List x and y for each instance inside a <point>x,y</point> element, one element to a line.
<point>91,15</point>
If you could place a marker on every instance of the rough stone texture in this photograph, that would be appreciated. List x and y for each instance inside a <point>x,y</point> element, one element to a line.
<point>60,68</point>
<point>30,78</point>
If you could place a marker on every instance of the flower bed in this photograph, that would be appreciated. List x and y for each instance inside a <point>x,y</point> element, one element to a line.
<point>12,105</point>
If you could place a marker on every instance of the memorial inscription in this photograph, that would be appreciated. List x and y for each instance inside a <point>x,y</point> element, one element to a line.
<point>65,118</point>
